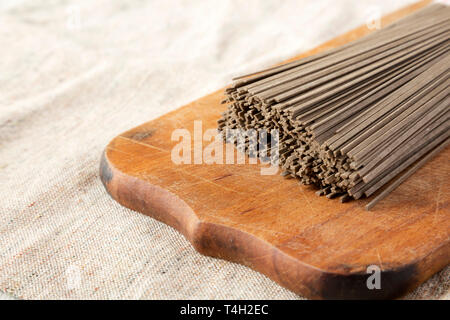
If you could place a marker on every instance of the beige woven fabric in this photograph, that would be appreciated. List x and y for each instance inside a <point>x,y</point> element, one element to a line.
<point>76,74</point>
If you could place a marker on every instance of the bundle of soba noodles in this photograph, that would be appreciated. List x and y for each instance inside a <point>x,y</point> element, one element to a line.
<point>358,119</point>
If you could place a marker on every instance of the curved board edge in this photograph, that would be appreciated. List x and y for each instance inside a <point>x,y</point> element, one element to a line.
<point>224,242</point>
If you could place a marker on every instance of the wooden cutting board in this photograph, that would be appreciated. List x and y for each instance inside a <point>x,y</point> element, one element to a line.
<point>316,247</point>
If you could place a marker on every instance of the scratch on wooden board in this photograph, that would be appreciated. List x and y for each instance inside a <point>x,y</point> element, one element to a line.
<point>204,179</point>
<point>379,260</point>
<point>143,144</point>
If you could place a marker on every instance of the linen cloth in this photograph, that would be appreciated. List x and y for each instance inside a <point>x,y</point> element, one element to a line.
<point>76,74</point>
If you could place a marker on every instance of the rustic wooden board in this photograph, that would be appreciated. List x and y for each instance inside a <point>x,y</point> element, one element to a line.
<point>316,247</point>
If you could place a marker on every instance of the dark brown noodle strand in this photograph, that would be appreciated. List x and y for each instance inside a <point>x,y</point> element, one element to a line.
<point>358,119</point>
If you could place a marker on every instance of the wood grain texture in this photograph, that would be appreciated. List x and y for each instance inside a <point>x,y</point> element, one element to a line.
<point>316,247</point>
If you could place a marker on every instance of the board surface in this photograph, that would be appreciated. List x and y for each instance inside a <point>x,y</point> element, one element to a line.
<point>314,246</point>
